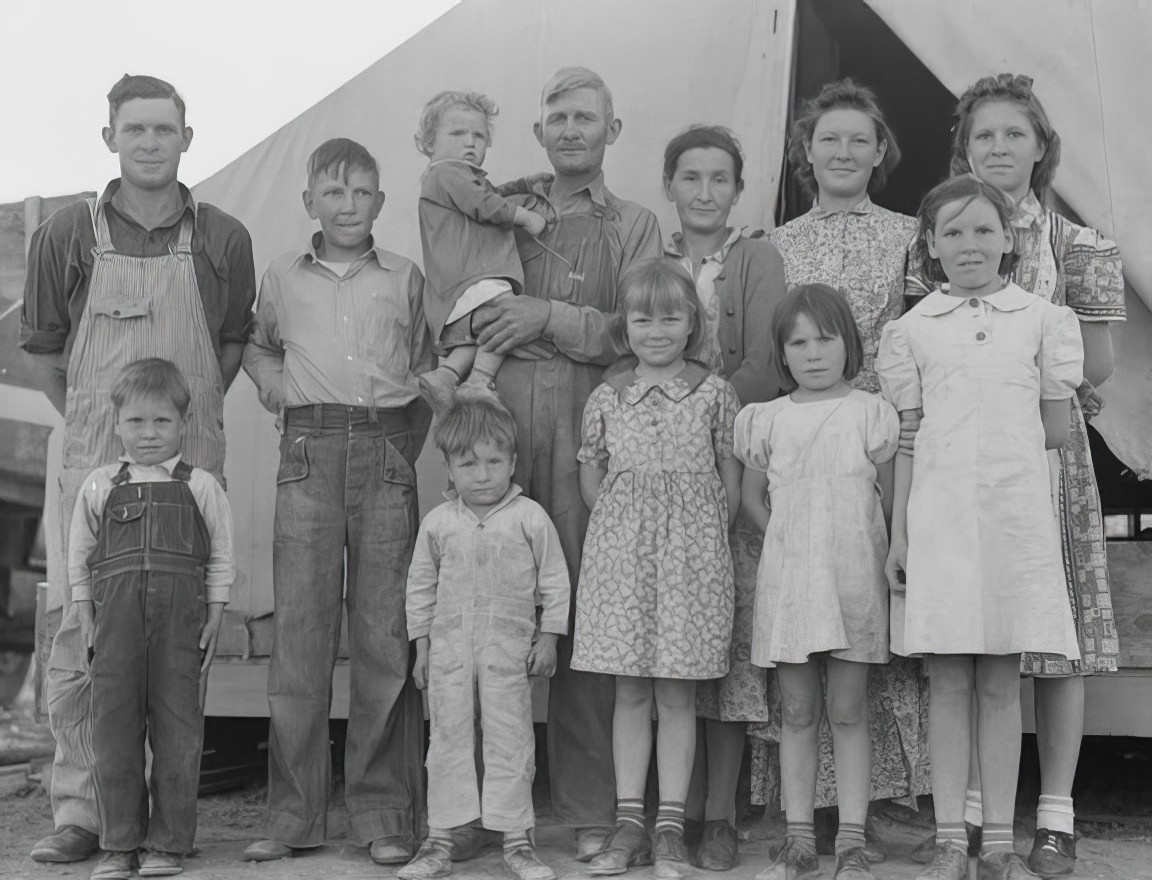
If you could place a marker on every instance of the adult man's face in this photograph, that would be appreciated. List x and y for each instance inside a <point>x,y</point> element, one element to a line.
<point>149,135</point>
<point>575,130</point>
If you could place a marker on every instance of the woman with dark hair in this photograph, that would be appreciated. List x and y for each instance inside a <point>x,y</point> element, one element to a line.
<point>739,278</point>
<point>1003,137</point>
<point>841,150</point>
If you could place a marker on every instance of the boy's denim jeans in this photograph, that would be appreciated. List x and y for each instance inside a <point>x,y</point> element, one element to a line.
<point>346,519</point>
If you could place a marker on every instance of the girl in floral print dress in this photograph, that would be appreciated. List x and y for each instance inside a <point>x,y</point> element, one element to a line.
<point>655,599</point>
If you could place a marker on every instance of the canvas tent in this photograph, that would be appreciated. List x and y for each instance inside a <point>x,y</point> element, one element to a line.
<point>734,62</point>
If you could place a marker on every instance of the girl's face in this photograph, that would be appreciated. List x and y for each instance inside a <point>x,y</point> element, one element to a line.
<point>461,134</point>
<point>659,340</point>
<point>969,240</point>
<point>704,188</point>
<point>843,151</point>
<point>1003,147</point>
<point>815,359</point>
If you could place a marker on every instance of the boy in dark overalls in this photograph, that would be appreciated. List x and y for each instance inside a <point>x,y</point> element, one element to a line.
<point>150,567</point>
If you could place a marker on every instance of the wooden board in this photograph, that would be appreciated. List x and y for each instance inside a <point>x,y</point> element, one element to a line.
<point>1130,573</point>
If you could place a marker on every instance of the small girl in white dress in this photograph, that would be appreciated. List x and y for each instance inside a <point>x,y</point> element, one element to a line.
<point>821,596</point>
<point>994,369</point>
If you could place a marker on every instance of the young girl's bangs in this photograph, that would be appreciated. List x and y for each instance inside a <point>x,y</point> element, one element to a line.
<point>825,307</point>
<point>658,292</point>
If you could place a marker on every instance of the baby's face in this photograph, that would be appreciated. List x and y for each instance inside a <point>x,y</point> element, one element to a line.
<point>461,134</point>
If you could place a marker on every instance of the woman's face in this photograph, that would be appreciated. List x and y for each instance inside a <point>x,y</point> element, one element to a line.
<point>843,151</point>
<point>1003,147</point>
<point>704,189</point>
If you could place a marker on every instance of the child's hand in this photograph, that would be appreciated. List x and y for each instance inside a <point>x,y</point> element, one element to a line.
<point>86,610</point>
<point>542,657</point>
<point>530,221</point>
<point>420,670</point>
<point>895,566</point>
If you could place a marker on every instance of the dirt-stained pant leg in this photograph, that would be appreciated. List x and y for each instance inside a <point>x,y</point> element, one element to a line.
<point>336,486</point>
<point>548,399</point>
<point>67,684</point>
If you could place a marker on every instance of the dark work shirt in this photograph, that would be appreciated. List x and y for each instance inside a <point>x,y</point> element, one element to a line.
<point>60,268</point>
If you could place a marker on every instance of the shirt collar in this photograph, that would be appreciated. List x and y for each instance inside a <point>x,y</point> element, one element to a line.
<point>674,247</point>
<point>864,206</point>
<point>597,191</point>
<point>1010,298</point>
<point>113,187</point>
<point>1027,212</point>
<point>514,492</point>
<point>169,465</point>
<point>386,259</point>
<point>633,388</point>
<point>475,169</point>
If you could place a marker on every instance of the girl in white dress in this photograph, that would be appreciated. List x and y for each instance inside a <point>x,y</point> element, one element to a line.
<point>821,596</point>
<point>973,533</point>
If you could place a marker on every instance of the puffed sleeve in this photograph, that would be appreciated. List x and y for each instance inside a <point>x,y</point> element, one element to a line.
<point>1061,353</point>
<point>882,433</point>
<point>899,375</point>
<point>916,283</point>
<point>1093,277</point>
<point>723,418</point>
<point>593,442</point>
<point>751,432</point>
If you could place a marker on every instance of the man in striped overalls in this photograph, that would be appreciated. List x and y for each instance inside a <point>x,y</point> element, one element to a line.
<point>142,271</point>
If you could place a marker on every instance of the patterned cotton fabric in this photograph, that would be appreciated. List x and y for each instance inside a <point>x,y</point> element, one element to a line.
<point>655,596</point>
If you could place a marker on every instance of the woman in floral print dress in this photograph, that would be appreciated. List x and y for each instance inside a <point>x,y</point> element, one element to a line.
<point>841,150</point>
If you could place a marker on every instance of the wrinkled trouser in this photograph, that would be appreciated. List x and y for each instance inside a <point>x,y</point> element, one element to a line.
<point>338,488</point>
<point>146,676</point>
<point>479,663</point>
<point>547,397</point>
<point>67,685</point>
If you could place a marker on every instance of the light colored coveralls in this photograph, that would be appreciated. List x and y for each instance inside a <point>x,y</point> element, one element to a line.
<point>473,588</point>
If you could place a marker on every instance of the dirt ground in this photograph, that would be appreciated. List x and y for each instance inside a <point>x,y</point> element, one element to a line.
<point>1115,843</point>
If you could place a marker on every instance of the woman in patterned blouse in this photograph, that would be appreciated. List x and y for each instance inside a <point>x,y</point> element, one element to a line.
<point>1003,136</point>
<point>841,150</point>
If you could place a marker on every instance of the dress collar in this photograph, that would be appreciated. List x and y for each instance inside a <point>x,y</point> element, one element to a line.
<point>674,247</point>
<point>1028,212</point>
<point>633,388</point>
<point>864,206</point>
<point>1010,298</point>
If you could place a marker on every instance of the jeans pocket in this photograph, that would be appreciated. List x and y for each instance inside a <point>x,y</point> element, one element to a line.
<point>293,459</point>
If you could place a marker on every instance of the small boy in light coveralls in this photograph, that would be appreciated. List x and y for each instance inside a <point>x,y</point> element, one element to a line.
<point>150,567</point>
<point>484,559</point>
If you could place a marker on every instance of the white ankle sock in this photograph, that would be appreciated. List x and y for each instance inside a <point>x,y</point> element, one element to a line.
<point>1055,814</point>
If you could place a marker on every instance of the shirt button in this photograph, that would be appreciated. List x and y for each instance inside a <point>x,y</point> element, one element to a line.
<point>974,302</point>
<point>349,357</point>
<point>981,336</point>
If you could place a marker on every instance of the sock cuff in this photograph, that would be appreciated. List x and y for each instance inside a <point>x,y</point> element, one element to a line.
<point>801,831</point>
<point>630,810</point>
<point>951,831</point>
<point>670,816</point>
<point>973,807</point>
<point>849,836</point>
<point>1056,814</point>
<point>997,837</point>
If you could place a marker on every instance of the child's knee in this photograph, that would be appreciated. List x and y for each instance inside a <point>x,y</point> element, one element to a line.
<point>847,710</point>
<point>676,696</point>
<point>633,693</point>
<point>800,714</point>
<point>950,676</point>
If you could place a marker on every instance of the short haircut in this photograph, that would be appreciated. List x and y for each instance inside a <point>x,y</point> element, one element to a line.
<point>435,109</point>
<point>337,158</point>
<point>656,285</point>
<point>468,423</point>
<point>569,79</point>
<point>1017,89</point>
<point>965,188</point>
<point>152,378</point>
<point>828,309</point>
<point>132,86</point>
<point>704,137</point>
<point>844,94</point>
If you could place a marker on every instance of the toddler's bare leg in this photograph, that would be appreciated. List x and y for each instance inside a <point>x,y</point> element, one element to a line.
<point>438,387</point>
<point>481,382</point>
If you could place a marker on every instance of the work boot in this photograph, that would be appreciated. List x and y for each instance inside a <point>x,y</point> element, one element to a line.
<point>68,843</point>
<point>1003,866</point>
<point>949,862</point>
<point>795,860</point>
<point>1053,853</point>
<point>626,847</point>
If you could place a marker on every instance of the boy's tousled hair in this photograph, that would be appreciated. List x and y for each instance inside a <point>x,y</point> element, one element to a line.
<point>132,86</point>
<point>828,309</point>
<point>569,79</point>
<point>966,188</point>
<point>152,378</point>
<point>696,137</point>
<point>338,157</point>
<point>435,109</point>
<point>659,284</point>
<point>845,94</point>
<point>1016,89</point>
<point>475,421</point>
